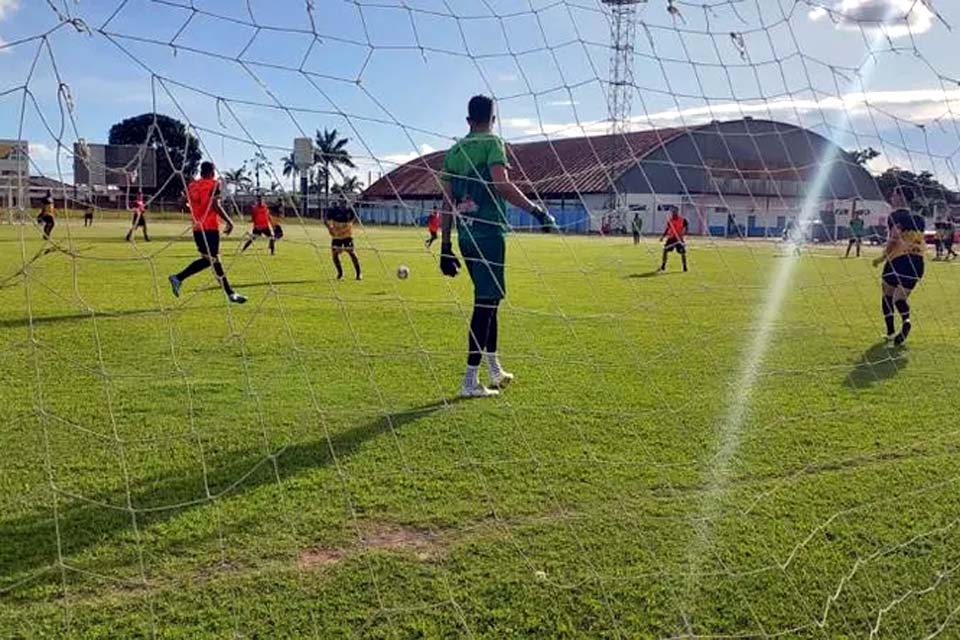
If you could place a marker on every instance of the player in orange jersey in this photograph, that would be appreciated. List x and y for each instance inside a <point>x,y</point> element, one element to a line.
<point>139,218</point>
<point>433,226</point>
<point>203,198</point>
<point>260,215</point>
<point>675,235</point>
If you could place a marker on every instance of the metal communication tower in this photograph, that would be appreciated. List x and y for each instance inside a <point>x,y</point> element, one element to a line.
<point>623,32</point>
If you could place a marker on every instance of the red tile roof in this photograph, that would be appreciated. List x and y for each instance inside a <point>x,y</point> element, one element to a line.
<point>549,167</point>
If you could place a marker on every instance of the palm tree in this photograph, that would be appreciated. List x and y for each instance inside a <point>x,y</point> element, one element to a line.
<point>238,178</point>
<point>259,162</point>
<point>290,170</point>
<point>331,154</point>
<point>350,186</point>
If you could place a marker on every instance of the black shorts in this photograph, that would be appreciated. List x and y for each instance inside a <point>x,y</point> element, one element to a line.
<point>277,231</point>
<point>208,242</point>
<point>855,240</point>
<point>45,219</point>
<point>88,215</point>
<point>433,235</point>
<point>342,243</point>
<point>675,245</point>
<point>262,231</point>
<point>140,221</point>
<point>905,271</point>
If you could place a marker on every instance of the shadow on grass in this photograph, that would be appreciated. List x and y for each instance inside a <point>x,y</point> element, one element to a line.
<point>653,274</point>
<point>31,543</point>
<point>881,361</point>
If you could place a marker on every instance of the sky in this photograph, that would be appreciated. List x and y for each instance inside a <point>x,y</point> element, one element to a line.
<point>394,76</point>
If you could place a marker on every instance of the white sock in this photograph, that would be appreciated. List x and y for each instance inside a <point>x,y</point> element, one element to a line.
<point>471,378</point>
<point>493,362</point>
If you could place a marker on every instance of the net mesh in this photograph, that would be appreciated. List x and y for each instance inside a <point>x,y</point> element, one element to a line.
<point>720,455</point>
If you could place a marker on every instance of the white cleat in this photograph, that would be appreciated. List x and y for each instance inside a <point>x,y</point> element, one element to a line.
<point>237,298</point>
<point>477,391</point>
<point>501,381</point>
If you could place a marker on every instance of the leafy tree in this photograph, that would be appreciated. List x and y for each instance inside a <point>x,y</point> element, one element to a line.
<point>177,149</point>
<point>290,171</point>
<point>351,186</point>
<point>863,156</point>
<point>930,196</point>
<point>238,178</point>
<point>331,154</point>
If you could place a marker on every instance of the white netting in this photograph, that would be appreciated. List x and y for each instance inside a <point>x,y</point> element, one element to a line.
<point>721,453</point>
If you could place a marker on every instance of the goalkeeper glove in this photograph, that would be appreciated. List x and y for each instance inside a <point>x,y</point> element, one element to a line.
<point>547,222</point>
<point>449,263</point>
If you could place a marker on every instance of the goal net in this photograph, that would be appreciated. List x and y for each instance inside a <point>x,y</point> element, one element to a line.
<point>707,435</point>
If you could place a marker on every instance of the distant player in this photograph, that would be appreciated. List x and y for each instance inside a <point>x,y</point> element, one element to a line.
<point>938,238</point>
<point>856,234</point>
<point>260,216</point>
<point>675,235</point>
<point>475,186</point>
<point>949,234</point>
<point>88,215</point>
<point>139,218</point>
<point>339,221</point>
<point>637,228</point>
<point>433,226</point>
<point>203,199</point>
<point>45,218</point>
<point>902,260</point>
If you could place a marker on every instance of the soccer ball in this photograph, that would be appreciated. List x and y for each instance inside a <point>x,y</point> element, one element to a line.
<point>403,272</point>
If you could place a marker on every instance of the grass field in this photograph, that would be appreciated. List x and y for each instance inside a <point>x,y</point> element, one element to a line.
<point>298,467</point>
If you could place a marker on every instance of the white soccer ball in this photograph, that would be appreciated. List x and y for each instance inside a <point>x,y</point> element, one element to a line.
<point>403,272</point>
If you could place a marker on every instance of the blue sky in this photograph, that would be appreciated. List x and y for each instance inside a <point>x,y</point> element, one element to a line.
<point>394,76</point>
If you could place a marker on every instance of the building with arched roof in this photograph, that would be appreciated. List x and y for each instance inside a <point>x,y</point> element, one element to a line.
<point>748,177</point>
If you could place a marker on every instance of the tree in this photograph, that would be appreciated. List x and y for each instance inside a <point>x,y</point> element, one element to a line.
<point>290,170</point>
<point>259,163</point>
<point>863,156</point>
<point>238,178</point>
<point>331,154</point>
<point>929,194</point>
<point>177,149</point>
<point>351,186</point>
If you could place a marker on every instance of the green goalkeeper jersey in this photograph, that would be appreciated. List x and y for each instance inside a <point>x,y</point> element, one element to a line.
<point>466,167</point>
<point>856,227</point>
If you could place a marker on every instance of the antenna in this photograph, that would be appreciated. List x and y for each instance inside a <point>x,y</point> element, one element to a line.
<point>623,31</point>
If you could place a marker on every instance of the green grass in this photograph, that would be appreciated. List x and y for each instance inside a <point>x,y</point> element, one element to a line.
<point>297,467</point>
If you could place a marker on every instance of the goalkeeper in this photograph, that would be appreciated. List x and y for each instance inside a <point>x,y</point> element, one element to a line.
<point>476,189</point>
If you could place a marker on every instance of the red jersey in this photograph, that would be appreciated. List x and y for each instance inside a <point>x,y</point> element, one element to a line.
<point>139,207</point>
<point>201,195</point>
<point>433,222</point>
<point>260,215</point>
<point>676,228</point>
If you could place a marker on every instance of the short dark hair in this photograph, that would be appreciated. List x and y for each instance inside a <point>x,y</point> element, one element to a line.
<point>480,109</point>
<point>206,169</point>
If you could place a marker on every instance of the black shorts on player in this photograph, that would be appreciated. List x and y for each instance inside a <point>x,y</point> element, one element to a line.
<point>262,231</point>
<point>277,231</point>
<point>905,271</point>
<point>342,243</point>
<point>208,243</point>
<point>675,245</point>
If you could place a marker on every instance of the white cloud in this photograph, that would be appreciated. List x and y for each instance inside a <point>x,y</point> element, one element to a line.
<point>395,159</point>
<point>7,7</point>
<point>918,105</point>
<point>895,18</point>
<point>563,103</point>
<point>518,123</point>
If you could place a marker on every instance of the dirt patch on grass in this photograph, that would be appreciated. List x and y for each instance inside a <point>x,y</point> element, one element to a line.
<point>424,545</point>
